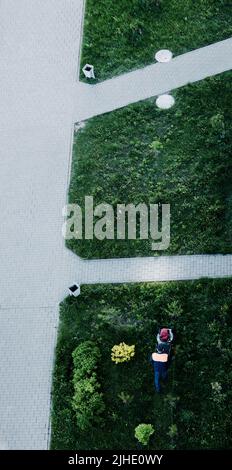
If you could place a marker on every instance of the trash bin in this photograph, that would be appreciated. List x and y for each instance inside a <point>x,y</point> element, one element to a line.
<point>74,290</point>
<point>88,71</point>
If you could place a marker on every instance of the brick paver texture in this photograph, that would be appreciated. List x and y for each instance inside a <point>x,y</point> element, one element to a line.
<point>40,100</point>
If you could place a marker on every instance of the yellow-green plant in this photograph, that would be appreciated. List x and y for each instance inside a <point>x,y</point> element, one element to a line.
<point>122,352</point>
<point>143,432</point>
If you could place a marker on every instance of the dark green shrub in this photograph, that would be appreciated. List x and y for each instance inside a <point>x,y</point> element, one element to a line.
<point>87,400</point>
<point>85,359</point>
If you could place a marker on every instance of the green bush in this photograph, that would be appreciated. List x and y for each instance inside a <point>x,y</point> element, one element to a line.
<point>85,359</point>
<point>143,433</point>
<point>87,401</point>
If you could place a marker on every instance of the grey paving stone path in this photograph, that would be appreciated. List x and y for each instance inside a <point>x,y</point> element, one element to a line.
<point>39,46</point>
<point>152,80</point>
<point>40,100</point>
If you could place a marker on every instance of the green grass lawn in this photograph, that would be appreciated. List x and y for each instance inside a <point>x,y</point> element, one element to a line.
<point>197,396</point>
<point>122,35</point>
<point>181,157</point>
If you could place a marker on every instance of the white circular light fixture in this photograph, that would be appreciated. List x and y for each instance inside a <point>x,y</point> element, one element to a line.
<point>164,55</point>
<point>165,101</point>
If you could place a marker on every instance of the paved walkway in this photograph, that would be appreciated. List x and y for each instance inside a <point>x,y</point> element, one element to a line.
<point>152,80</point>
<point>162,268</point>
<point>40,100</point>
<point>39,44</point>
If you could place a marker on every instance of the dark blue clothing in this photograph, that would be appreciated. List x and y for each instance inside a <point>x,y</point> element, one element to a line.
<point>159,375</point>
<point>160,372</point>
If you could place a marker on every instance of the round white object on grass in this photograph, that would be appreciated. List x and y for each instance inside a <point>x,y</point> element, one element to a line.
<point>164,55</point>
<point>165,101</point>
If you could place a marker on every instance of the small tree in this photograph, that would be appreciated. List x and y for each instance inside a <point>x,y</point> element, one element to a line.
<point>87,401</point>
<point>143,433</point>
<point>122,353</point>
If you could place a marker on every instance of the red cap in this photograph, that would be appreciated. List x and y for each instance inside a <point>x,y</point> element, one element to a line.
<point>164,334</point>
